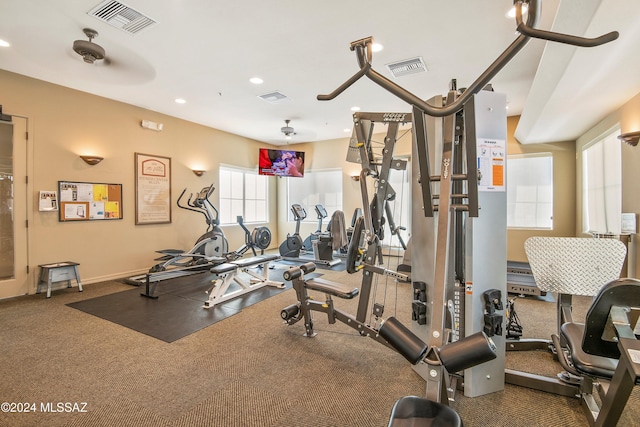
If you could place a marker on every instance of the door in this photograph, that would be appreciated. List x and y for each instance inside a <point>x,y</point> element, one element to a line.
<point>13,208</point>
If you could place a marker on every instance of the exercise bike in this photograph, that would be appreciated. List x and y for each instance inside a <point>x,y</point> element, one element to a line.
<point>293,244</point>
<point>321,213</point>
<point>211,247</point>
<point>292,248</point>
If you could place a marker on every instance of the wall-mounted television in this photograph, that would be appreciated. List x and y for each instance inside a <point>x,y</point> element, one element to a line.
<point>281,163</point>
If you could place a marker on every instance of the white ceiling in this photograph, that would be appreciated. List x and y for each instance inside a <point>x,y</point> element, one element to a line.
<point>205,51</point>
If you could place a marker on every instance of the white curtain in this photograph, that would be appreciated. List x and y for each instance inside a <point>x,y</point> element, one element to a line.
<point>602,186</point>
<point>322,187</point>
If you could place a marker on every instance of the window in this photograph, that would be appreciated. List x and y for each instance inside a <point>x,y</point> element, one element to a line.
<point>317,187</point>
<point>530,191</point>
<point>242,193</point>
<point>602,185</point>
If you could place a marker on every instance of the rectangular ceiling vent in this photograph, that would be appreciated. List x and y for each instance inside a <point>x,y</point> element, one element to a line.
<point>274,97</point>
<point>406,67</point>
<point>121,16</point>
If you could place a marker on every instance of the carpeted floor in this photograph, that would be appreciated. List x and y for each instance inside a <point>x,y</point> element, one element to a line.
<point>248,370</point>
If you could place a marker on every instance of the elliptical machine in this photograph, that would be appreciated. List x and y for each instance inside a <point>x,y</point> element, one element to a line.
<point>293,244</point>
<point>212,246</point>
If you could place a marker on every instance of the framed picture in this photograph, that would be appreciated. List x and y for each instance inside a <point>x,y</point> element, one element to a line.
<point>153,189</point>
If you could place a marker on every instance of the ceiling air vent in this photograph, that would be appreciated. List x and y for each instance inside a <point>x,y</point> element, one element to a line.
<point>406,67</point>
<point>121,16</point>
<point>274,97</point>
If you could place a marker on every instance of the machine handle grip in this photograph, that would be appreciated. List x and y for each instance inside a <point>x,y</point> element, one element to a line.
<point>344,86</point>
<point>527,30</point>
<point>567,38</point>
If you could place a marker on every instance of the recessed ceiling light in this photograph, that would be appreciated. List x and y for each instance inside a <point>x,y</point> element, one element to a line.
<point>346,130</point>
<point>355,108</point>
<point>256,80</point>
<point>377,47</point>
<point>512,11</point>
<point>180,101</point>
<point>4,43</point>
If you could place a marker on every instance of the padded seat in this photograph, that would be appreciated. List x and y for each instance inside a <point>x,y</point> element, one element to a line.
<point>596,366</point>
<point>332,288</point>
<point>247,262</point>
<point>412,411</point>
<point>223,268</point>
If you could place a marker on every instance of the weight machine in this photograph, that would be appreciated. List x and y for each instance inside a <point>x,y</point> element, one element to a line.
<point>459,280</point>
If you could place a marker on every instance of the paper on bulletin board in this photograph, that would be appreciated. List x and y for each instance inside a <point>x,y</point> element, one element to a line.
<point>48,201</point>
<point>491,164</point>
<point>75,211</point>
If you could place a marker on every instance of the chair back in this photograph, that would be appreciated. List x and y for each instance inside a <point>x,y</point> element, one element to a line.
<point>622,293</point>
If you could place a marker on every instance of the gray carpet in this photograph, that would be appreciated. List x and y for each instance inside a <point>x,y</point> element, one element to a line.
<point>248,370</point>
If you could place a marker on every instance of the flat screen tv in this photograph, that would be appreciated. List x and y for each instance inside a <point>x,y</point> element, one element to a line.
<point>281,163</point>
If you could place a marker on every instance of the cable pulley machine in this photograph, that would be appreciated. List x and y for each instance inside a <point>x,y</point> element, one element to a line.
<point>459,142</point>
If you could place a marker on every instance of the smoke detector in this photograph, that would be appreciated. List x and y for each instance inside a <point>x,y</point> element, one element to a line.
<point>89,51</point>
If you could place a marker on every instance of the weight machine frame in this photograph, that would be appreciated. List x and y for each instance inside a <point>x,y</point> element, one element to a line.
<point>458,129</point>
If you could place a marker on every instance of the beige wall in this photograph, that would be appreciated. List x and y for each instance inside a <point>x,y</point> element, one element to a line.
<point>564,203</point>
<point>65,123</point>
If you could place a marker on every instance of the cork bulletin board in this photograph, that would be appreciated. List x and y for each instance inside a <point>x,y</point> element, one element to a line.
<point>89,201</point>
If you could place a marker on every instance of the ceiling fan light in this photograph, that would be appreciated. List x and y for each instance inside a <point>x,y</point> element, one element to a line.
<point>89,51</point>
<point>287,130</point>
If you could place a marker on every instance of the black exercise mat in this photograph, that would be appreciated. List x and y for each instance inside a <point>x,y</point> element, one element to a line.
<point>178,311</point>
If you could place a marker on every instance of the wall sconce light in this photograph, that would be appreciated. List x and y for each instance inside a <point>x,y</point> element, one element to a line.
<point>198,172</point>
<point>630,138</point>
<point>92,160</point>
<point>356,178</point>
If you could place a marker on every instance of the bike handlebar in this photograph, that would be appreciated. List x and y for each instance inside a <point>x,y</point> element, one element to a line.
<point>527,31</point>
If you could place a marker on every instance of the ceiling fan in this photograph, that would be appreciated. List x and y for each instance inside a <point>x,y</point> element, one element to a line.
<point>287,130</point>
<point>89,51</point>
